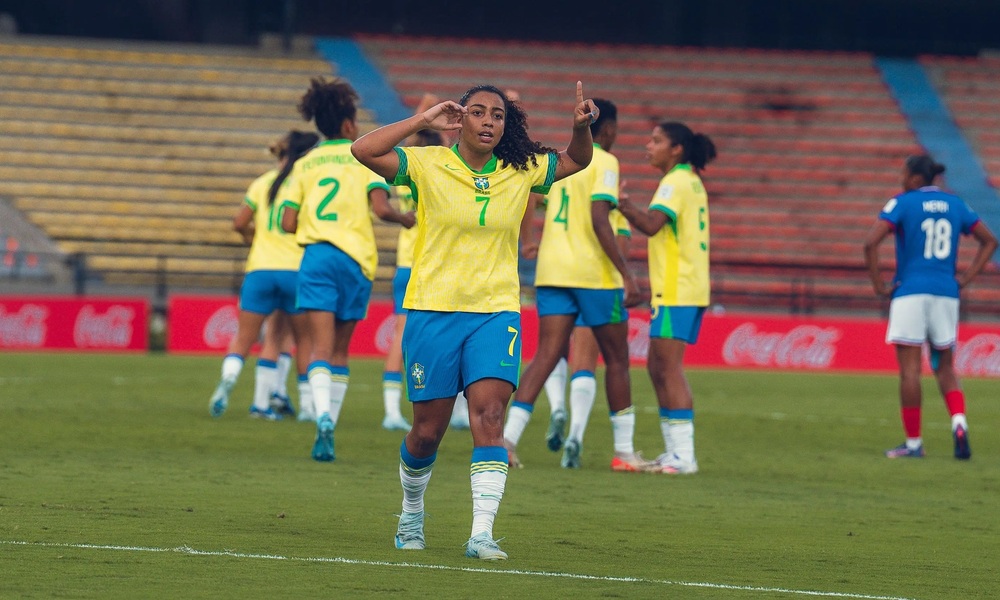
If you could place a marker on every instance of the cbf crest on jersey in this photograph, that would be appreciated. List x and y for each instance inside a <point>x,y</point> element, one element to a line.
<point>482,183</point>
<point>418,376</point>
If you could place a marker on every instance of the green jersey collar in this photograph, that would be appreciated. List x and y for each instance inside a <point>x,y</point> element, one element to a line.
<point>489,167</point>
<point>681,167</point>
<point>335,142</point>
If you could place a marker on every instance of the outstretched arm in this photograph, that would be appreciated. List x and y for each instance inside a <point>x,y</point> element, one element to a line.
<point>987,246</point>
<point>375,149</point>
<point>580,150</point>
<point>647,221</point>
<point>879,231</point>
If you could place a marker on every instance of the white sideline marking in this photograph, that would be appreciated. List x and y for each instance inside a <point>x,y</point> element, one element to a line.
<point>405,565</point>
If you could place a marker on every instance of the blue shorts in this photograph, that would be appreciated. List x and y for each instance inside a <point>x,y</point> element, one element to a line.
<point>676,323</point>
<point>264,292</point>
<point>444,352</point>
<point>399,281</point>
<point>592,308</point>
<point>332,281</point>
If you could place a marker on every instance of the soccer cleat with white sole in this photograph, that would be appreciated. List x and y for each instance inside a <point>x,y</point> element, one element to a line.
<point>282,405</point>
<point>571,454</point>
<point>410,531</point>
<point>395,423</point>
<point>483,547</point>
<point>557,430</point>
<point>323,447</point>
<point>633,463</point>
<point>220,399</point>
<point>674,465</point>
<point>267,414</point>
<point>512,461</point>
<point>904,451</point>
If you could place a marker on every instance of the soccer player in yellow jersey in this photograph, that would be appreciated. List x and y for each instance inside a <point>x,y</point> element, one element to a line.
<point>677,225</point>
<point>581,273</point>
<point>331,197</point>
<point>269,284</point>
<point>463,328</point>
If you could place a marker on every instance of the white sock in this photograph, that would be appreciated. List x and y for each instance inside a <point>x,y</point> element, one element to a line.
<point>555,386</point>
<point>682,438</point>
<point>488,472</point>
<point>306,404</point>
<point>338,389</point>
<point>461,409</point>
<point>914,443</point>
<point>582,391</point>
<point>265,384</point>
<point>319,381</point>
<point>517,419</point>
<point>284,365</point>
<point>959,420</point>
<point>623,430</point>
<point>232,364</point>
<point>668,439</point>
<point>392,393</point>
<point>414,480</point>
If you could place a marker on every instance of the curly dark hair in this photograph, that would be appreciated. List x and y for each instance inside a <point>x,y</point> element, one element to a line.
<point>515,148</point>
<point>330,103</point>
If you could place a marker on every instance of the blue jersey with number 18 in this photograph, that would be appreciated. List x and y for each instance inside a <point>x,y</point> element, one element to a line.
<point>927,223</point>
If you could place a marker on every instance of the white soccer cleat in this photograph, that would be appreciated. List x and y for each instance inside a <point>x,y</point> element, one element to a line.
<point>671,464</point>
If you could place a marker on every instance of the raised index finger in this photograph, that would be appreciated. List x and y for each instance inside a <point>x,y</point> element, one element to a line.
<point>579,92</point>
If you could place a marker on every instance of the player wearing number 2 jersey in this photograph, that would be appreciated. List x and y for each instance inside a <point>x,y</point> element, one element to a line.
<point>463,299</point>
<point>269,284</point>
<point>927,223</point>
<point>329,194</point>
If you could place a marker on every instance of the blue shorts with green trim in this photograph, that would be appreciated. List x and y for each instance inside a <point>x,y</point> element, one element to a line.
<point>332,281</point>
<point>592,308</point>
<point>445,352</point>
<point>676,323</point>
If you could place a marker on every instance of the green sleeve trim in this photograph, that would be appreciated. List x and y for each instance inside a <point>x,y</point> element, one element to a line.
<point>624,233</point>
<point>550,175</point>
<point>665,210</point>
<point>378,185</point>
<point>403,174</point>
<point>250,203</point>
<point>605,198</point>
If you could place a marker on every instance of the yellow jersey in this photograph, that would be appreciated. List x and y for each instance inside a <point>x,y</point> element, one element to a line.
<point>330,189</point>
<point>273,249</point>
<point>468,221</point>
<point>407,237</point>
<point>678,253</point>
<point>570,255</point>
<point>619,224</point>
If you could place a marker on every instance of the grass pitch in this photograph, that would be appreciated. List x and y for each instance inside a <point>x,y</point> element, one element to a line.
<point>115,482</point>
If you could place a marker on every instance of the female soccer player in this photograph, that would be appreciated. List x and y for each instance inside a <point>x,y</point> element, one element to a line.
<point>463,328</point>
<point>582,275</point>
<point>330,200</point>
<point>924,308</point>
<point>677,225</point>
<point>269,284</point>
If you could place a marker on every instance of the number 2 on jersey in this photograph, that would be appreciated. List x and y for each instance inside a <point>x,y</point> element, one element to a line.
<point>335,187</point>
<point>937,238</point>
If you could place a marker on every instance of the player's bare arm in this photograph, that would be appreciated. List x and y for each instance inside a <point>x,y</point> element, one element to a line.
<point>580,150</point>
<point>878,233</point>
<point>987,246</point>
<point>375,149</point>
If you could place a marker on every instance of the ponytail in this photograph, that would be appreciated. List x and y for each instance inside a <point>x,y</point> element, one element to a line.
<point>295,146</point>
<point>699,150</point>
<point>923,165</point>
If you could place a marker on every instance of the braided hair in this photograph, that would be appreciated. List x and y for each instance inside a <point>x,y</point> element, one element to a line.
<point>515,148</point>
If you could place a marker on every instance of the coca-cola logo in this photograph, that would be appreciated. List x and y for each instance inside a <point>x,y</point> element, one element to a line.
<point>638,339</point>
<point>24,328</point>
<point>979,355</point>
<point>113,329</point>
<point>806,346</point>
<point>221,327</point>
<point>384,333</point>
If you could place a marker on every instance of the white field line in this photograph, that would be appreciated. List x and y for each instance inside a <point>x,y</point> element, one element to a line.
<point>406,565</point>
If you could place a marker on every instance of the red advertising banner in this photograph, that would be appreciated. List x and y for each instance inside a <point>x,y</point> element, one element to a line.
<point>206,324</point>
<point>59,323</point>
